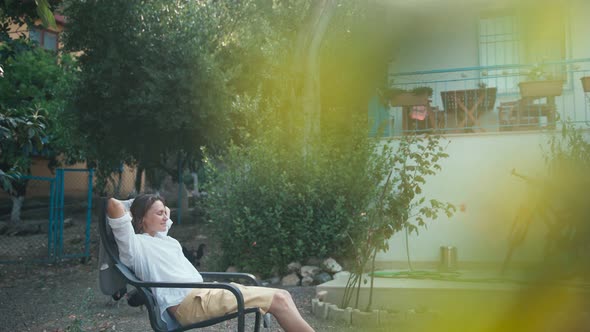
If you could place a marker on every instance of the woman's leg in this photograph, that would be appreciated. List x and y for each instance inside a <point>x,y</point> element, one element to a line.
<point>218,302</point>
<point>286,313</point>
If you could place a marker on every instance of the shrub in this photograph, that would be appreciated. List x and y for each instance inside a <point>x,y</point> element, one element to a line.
<point>269,205</point>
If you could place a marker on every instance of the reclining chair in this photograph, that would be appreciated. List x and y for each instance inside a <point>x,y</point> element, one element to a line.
<point>144,287</point>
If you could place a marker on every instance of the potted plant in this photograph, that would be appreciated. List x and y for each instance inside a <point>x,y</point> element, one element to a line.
<point>540,83</point>
<point>414,97</point>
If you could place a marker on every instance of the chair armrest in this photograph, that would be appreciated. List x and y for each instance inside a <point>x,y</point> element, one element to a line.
<point>132,279</point>
<point>230,275</point>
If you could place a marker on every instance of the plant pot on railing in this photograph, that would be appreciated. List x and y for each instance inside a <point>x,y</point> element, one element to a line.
<point>586,83</point>
<point>409,99</point>
<point>416,97</point>
<point>550,88</point>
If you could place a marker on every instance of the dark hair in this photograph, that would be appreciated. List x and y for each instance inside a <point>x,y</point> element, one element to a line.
<point>139,208</point>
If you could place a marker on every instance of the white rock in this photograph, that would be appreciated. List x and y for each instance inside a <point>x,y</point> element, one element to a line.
<point>306,281</point>
<point>290,280</point>
<point>321,295</point>
<point>332,266</point>
<point>309,271</point>
<point>294,267</point>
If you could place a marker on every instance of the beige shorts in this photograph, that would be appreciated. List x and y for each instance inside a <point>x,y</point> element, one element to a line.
<point>202,304</point>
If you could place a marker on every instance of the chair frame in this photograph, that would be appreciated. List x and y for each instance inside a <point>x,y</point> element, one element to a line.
<point>143,287</point>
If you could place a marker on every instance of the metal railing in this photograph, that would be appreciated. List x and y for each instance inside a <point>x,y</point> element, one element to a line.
<point>485,99</point>
<point>54,222</point>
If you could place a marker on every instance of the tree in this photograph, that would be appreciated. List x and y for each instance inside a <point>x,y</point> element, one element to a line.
<point>151,90</point>
<point>33,94</point>
<point>395,204</point>
<point>21,131</point>
<point>307,60</point>
<point>292,177</point>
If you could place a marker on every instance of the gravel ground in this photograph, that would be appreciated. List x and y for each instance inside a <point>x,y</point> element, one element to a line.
<point>66,297</point>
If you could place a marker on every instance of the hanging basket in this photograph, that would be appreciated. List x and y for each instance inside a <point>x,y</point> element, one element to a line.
<point>586,83</point>
<point>541,88</point>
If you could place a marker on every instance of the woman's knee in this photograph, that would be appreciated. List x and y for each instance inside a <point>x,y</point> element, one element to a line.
<point>281,300</point>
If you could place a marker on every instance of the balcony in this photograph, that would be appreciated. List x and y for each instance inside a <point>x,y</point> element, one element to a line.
<point>478,100</point>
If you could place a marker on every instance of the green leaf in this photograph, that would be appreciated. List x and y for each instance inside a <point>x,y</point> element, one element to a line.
<point>45,14</point>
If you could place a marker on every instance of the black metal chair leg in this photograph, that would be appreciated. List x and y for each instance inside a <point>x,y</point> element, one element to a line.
<point>257,322</point>
<point>266,320</point>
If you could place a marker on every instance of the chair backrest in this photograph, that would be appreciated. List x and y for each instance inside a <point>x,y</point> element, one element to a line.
<point>469,97</point>
<point>110,246</point>
<point>111,282</point>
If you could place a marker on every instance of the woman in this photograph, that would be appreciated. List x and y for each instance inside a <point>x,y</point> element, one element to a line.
<point>145,247</point>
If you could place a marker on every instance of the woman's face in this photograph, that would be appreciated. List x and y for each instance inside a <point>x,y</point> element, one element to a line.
<point>155,219</point>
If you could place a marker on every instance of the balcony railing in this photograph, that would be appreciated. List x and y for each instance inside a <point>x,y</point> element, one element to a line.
<point>483,99</point>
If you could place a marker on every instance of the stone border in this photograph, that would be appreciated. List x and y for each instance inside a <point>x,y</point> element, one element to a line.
<point>375,318</point>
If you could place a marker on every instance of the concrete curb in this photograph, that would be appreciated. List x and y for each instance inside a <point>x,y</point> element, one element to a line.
<point>365,319</point>
<point>340,315</point>
<point>375,318</point>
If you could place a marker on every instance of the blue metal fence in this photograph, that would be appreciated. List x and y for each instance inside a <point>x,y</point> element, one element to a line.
<point>78,245</point>
<point>485,99</point>
<point>55,223</point>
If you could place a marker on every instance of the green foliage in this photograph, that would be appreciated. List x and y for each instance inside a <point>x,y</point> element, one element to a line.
<point>270,207</point>
<point>33,76</point>
<point>397,202</point>
<point>546,72</point>
<point>21,131</point>
<point>25,12</point>
<point>150,85</point>
<point>557,203</point>
<point>34,92</point>
<point>266,192</point>
<point>45,14</point>
<point>562,203</point>
<point>355,58</point>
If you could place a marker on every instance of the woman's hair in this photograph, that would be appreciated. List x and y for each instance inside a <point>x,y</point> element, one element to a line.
<point>140,207</point>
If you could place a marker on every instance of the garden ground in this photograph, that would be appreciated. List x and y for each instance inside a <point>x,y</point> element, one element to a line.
<point>66,296</point>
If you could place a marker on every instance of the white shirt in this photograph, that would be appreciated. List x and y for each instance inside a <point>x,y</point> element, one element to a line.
<point>156,258</point>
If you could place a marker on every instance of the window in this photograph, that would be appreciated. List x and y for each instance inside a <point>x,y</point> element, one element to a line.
<point>531,36</point>
<point>46,39</point>
<point>500,44</point>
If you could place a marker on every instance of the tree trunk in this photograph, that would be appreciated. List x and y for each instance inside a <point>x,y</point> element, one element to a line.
<point>138,178</point>
<point>18,197</point>
<point>307,62</point>
<point>17,204</point>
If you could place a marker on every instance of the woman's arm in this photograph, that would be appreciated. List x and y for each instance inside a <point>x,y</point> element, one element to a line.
<point>120,222</point>
<point>115,208</point>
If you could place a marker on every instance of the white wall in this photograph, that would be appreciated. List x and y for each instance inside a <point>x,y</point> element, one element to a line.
<point>478,175</point>
<point>438,42</point>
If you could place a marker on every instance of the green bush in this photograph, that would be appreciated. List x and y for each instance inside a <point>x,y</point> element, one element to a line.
<point>269,205</point>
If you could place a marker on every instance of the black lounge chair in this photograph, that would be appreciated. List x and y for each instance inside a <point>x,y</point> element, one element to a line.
<point>144,288</point>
